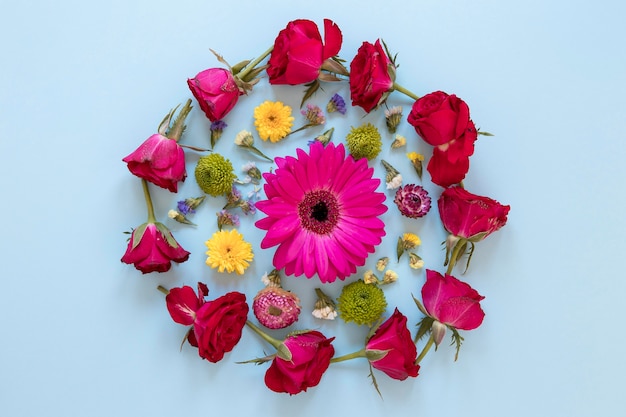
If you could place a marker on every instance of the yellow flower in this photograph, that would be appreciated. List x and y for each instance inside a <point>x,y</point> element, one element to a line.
<point>273,120</point>
<point>411,240</point>
<point>414,156</point>
<point>228,251</point>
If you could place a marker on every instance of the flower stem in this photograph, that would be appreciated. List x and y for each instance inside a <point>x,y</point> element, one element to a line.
<point>425,350</point>
<point>254,63</point>
<point>269,339</point>
<point>404,91</point>
<point>454,256</point>
<point>353,355</point>
<point>146,194</point>
<point>163,289</point>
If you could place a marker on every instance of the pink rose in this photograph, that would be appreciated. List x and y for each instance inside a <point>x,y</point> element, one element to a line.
<point>217,324</point>
<point>371,76</point>
<point>216,91</point>
<point>160,160</point>
<point>310,355</point>
<point>299,53</point>
<point>470,216</point>
<point>392,350</point>
<point>152,247</point>
<point>443,121</point>
<point>451,302</point>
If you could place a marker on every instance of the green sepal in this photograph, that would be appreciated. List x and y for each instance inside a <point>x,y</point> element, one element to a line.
<point>419,305</point>
<point>167,120</point>
<point>423,328</point>
<point>138,235</point>
<point>250,77</point>
<point>371,375</point>
<point>456,339</point>
<point>284,353</point>
<point>477,237</point>
<point>235,69</point>
<point>485,133</point>
<point>166,234</point>
<point>375,354</point>
<point>469,257</point>
<point>447,259</point>
<point>312,88</point>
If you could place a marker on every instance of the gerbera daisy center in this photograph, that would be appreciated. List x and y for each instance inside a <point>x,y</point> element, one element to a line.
<point>319,211</point>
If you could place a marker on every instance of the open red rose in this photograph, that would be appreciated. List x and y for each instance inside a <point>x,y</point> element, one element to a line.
<point>392,350</point>
<point>299,53</point>
<point>443,121</point>
<point>310,357</point>
<point>160,160</point>
<point>152,248</point>
<point>217,324</point>
<point>216,91</point>
<point>452,302</point>
<point>371,76</point>
<point>470,216</point>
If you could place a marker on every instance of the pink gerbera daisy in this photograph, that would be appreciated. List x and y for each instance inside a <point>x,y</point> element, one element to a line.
<point>322,211</point>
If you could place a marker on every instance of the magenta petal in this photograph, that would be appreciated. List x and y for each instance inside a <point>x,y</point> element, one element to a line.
<point>462,313</point>
<point>182,304</point>
<point>280,231</point>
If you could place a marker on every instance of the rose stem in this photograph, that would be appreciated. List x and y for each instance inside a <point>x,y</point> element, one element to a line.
<point>254,63</point>
<point>269,339</point>
<point>353,355</point>
<point>403,90</point>
<point>146,194</point>
<point>425,350</point>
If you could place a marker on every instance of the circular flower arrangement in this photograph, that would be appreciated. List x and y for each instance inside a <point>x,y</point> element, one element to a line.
<point>319,209</point>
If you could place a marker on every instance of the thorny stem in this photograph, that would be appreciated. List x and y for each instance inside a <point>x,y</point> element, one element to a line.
<point>353,355</point>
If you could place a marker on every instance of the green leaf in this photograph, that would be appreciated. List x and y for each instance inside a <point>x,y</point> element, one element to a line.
<point>371,375</point>
<point>239,66</point>
<point>424,327</point>
<point>399,248</point>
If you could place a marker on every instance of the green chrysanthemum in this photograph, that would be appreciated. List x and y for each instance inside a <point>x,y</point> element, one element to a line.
<point>361,303</point>
<point>215,174</point>
<point>364,141</point>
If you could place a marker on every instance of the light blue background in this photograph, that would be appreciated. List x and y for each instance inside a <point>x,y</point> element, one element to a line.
<point>83,83</point>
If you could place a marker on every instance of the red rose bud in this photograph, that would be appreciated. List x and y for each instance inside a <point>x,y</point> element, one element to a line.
<point>451,301</point>
<point>216,91</point>
<point>299,53</point>
<point>443,121</point>
<point>371,76</point>
<point>392,350</point>
<point>218,325</point>
<point>152,247</point>
<point>159,160</point>
<point>470,216</point>
<point>301,362</point>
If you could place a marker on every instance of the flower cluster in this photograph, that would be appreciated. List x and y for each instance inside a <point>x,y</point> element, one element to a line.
<point>319,210</point>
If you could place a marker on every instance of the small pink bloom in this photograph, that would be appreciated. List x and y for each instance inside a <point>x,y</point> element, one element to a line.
<point>394,338</point>
<point>276,308</point>
<point>216,91</point>
<point>152,247</point>
<point>469,215</point>
<point>299,53</point>
<point>310,357</point>
<point>160,160</point>
<point>451,301</point>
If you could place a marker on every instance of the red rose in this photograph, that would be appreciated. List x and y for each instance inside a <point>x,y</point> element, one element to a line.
<point>443,121</point>
<point>160,160</point>
<point>470,216</point>
<point>216,91</point>
<point>393,341</point>
<point>452,302</point>
<point>217,324</point>
<point>298,52</point>
<point>310,355</point>
<point>152,247</point>
<point>371,78</point>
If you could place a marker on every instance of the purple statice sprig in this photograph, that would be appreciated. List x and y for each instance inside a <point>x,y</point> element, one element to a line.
<point>336,104</point>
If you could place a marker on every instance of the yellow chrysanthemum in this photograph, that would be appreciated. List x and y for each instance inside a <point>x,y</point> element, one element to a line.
<point>229,251</point>
<point>411,240</point>
<point>273,120</point>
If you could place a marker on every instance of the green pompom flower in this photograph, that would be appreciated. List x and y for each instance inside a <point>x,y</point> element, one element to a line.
<point>364,141</point>
<point>361,303</point>
<point>215,174</point>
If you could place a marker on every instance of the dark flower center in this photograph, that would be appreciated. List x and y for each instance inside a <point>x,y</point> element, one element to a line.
<point>319,211</point>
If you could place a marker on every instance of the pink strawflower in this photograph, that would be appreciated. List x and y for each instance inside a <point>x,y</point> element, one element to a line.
<point>276,308</point>
<point>322,212</point>
<point>412,201</point>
